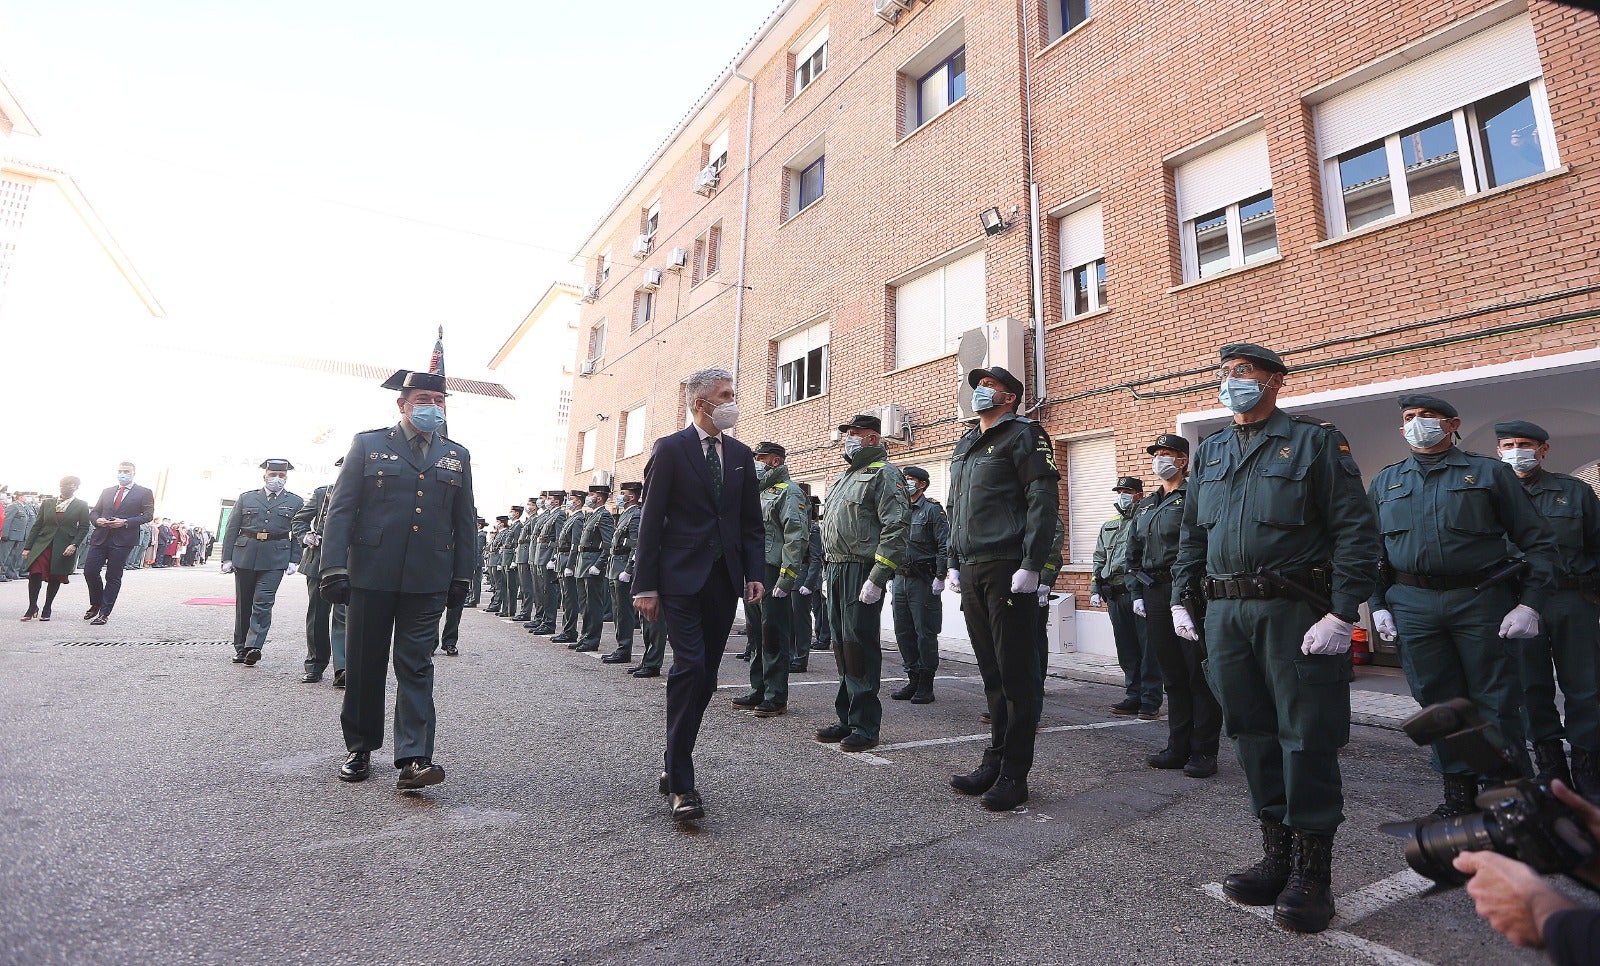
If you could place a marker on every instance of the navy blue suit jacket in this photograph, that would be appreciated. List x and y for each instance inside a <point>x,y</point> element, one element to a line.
<point>138,506</point>
<point>681,526</point>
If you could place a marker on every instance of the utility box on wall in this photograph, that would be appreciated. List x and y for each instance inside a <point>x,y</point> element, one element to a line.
<point>1061,627</point>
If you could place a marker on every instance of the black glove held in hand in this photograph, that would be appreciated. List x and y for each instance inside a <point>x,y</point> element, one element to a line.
<point>456,596</point>
<point>335,589</point>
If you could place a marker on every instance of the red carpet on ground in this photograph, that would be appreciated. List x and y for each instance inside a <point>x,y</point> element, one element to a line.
<point>225,601</point>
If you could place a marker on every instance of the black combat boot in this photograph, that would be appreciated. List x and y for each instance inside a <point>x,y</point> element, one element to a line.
<point>924,693</point>
<point>1586,772</point>
<point>1306,903</point>
<point>1550,760</point>
<point>1460,797</point>
<point>905,693</point>
<point>1260,884</point>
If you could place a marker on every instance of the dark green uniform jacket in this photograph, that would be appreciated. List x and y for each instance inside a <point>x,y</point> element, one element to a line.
<point>1004,500</point>
<point>788,525</point>
<point>595,542</point>
<point>865,519</point>
<point>1153,538</point>
<point>928,551</point>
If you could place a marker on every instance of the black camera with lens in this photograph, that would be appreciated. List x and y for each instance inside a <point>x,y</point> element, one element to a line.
<point>1518,816</point>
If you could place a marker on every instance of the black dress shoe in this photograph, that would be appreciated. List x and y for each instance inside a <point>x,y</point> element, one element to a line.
<point>750,700</point>
<point>238,657</point>
<point>419,773</point>
<point>769,709</point>
<point>647,672</point>
<point>586,648</point>
<point>338,679</point>
<point>311,677</point>
<point>978,781</point>
<point>686,807</point>
<point>797,667</point>
<point>744,655</point>
<point>986,718</point>
<point>357,766</point>
<point>833,733</point>
<point>99,621</point>
<point>1167,758</point>
<point>1201,766</point>
<point>661,786</point>
<point>856,741</point>
<point>451,650</point>
<point>1006,794</point>
<point>563,639</point>
<point>251,656</point>
<point>617,657</point>
<point>1125,706</point>
<point>92,613</point>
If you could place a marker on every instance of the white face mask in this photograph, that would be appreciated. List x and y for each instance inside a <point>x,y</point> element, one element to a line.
<point>1124,501</point>
<point>725,416</point>
<point>1424,432</point>
<point>852,445</point>
<point>1165,467</point>
<point>1521,460</point>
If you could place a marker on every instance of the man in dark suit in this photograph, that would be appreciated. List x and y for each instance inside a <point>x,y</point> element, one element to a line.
<point>117,516</point>
<point>701,547</point>
<point>398,560</point>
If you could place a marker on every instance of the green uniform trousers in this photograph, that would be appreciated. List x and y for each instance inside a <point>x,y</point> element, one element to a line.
<point>773,643</point>
<point>918,619</point>
<point>571,604</point>
<point>1008,643</point>
<point>856,649</point>
<point>1450,647</point>
<point>1569,636</point>
<point>625,618</point>
<point>596,594</point>
<point>1288,713</point>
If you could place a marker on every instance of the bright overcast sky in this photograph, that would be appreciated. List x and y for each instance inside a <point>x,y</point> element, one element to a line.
<point>353,172</point>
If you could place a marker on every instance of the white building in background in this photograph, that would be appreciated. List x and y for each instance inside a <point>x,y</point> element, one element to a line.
<point>535,364</point>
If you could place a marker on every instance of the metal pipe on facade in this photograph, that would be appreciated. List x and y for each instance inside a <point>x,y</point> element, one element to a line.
<point>1035,253</point>
<point>744,220</point>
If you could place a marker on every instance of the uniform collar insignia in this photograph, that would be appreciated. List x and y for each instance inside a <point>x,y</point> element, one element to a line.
<point>1283,453</point>
<point>1468,478</point>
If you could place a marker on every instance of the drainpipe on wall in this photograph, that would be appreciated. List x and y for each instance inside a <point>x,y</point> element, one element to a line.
<point>744,221</point>
<point>1035,252</point>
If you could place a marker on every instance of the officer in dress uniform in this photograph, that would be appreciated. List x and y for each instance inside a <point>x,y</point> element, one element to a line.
<point>594,550</point>
<point>258,551</point>
<point>653,632</point>
<point>1447,589</point>
<point>864,532</point>
<point>497,575</point>
<point>477,574</point>
<point>547,579</point>
<point>508,563</point>
<point>325,621</point>
<point>918,612</point>
<point>806,588</point>
<point>788,529</point>
<point>1281,538</point>
<point>533,581</point>
<point>1569,631</point>
<point>566,560</point>
<point>399,548</point>
<point>1111,589</point>
<point>623,540</point>
<point>524,565</point>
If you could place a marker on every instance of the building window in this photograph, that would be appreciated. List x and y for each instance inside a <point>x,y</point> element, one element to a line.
<point>810,59</point>
<point>1083,262</point>
<point>586,447</point>
<point>935,78</point>
<point>644,306</point>
<point>1065,16</point>
<point>717,152</point>
<point>605,266</point>
<point>633,431</point>
<point>651,221</point>
<point>597,341</point>
<point>802,364</point>
<point>1091,472</point>
<point>802,176</point>
<point>1433,129</point>
<point>1225,207</point>
<point>933,311</point>
<point>810,187</point>
<point>707,255</point>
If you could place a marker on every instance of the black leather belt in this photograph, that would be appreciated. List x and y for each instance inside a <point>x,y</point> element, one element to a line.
<point>1430,582</point>
<point>1258,587</point>
<point>1112,592</point>
<point>268,535</point>
<point>1159,575</point>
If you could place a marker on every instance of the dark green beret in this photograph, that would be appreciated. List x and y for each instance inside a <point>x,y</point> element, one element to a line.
<point>1434,403</point>
<point>1520,428</point>
<point>916,472</point>
<point>1261,355</point>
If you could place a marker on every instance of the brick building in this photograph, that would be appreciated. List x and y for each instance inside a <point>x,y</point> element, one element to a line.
<point>1395,195</point>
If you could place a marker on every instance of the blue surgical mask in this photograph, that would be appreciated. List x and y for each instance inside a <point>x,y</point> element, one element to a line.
<point>1425,432</point>
<point>852,445</point>
<point>982,399</point>
<point>1521,460</point>
<point>124,478</point>
<point>1165,467</point>
<point>275,484</point>
<point>1240,395</point>
<point>1124,501</point>
<point>427,419</point>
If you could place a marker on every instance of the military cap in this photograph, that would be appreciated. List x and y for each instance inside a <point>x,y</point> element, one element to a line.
<point>770,449</point>
<point>600,488</point>
<point>580,494</point>
<point>536,499</point>
<point>1434,403</point>
<point>406,379</point>
<point>1521,429</point>
<point>1170,441</point>
<point>278,466</point>
<point>916,472</point>
<point>482,521</point>
<point>863,421</point>
<point>503,518</point>
<point>632,487</point>
<point>517,509</point>
<point>1129,483</point>
<point>998,374</point>
<point>1261,355</point>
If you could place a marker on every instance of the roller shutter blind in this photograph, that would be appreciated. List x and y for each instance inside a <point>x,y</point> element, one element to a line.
<point>1231,173</point>
<point>1091,473</point>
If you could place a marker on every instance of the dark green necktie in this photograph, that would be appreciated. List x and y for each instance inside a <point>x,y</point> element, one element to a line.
<point>419,445</point>
<point>716,468</point>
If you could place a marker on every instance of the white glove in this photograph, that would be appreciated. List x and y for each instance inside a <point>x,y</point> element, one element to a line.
<point>871,593</point>
<point>293,569</point>
<point>1183,624</point>
<point>779,593</point>
<point>310,540</point>
<point>227,566</point>
<point>567,572</point>
<point>550,566</point>
<point>822,589</point>
<point>625,577</point>
<point>1383,623</point>
<point>1331,635</point>
<point>1520,624</point>
<point>805,591</point>
<point>938,586</point>
<point>1095,600</point>
<point>1044,596</point>
<point>1025,581</point>
<point>1138,607</point>
<point>594,571</point>
<point>953,581</point>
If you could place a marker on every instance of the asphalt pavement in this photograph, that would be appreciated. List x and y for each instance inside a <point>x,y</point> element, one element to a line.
<point>160,804</point>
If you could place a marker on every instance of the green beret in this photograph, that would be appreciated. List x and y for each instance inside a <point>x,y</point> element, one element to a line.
<point>1261,355</point>
<point>1434,403</point>
<point>1520,428</point>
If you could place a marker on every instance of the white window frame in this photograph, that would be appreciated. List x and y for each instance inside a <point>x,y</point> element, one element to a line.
<point>794,352</point>
<point>1056,16</point>
<point>596,348</point>
<point>915,70</point>
<point>707,255</point>
<point>1218,176</point>
<point>1082,245</point>
<point>717,151</point>
<point>644,304</point>
<point>633,430</point>
<point>652,220</point>
<point>814,153</point>
<point>948,340</point>
<point>588,442</point>
<point>815,42</point>
<point>1091,467</point>
<point>605,266</point>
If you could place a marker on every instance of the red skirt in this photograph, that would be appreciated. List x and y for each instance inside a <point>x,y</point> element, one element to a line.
<point>41,568</point>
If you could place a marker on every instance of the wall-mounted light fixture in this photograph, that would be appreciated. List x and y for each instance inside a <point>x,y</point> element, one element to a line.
<point>993,222</point>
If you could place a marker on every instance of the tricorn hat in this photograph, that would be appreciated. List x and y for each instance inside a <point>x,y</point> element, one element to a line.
<point>277,466</point>
<point>406,379</point>
<point>632,487</point>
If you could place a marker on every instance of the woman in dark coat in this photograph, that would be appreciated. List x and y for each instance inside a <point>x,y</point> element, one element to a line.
<point>50,551</point>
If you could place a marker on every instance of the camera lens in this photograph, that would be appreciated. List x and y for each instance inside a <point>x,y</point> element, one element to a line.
<point>1433,844</point>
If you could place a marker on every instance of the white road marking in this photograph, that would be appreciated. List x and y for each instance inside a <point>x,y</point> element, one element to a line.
<point>1351,910</point>
<point>834,682</point>
<point>960,739</point>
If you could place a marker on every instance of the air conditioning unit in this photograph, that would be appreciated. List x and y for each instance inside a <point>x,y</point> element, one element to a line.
<point>652,280</point>
<point>896,424</point>
<point>889,10</point>
<point>677,258</point>
<point>641,246</point>
<point>997,343</point>
<point>591,292</point>
<point>706,181</point>
<point>601,478</point>
<point>586,368</point>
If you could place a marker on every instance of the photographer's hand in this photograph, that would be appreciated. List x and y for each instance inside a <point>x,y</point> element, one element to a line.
<point>1510,896</point>
<point>1589,815</point>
